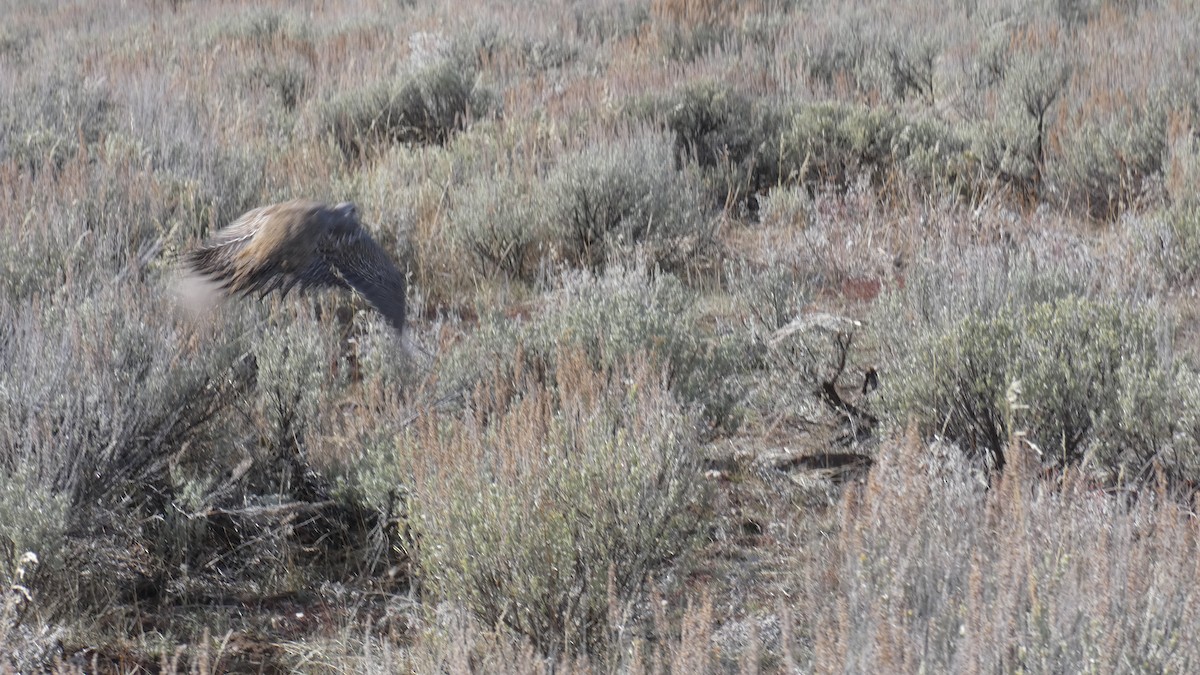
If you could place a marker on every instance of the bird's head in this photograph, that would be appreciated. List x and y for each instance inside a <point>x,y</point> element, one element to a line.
<point>347,210</point>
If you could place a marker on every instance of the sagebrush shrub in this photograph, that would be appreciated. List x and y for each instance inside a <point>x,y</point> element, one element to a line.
<point>841,59</point>
<point>727,134</point>
<point>28,644</point>
<point>773,293</point>
<point>496,222</point>
<point>34,523</point>
<point>711,123</point>
<point>548,505</point>
<point>688,30</point>
<point>603,22</point>
<point>1105,168</point>
<point>101,396</point>
<point>1171,238</point>
<point>935,570</point>
<point>836,143</point>
<point>612,318</point>
<point>262,28</point>
<point>46,120</point>
<point>909,64</point>
<point>1092,375</point>
<point>293,377</point>
<point>33,519</point>
<point>14,43</point>
<point>96,401</point>
<point>1011,147</point>
<point>426,107</point>
<point>1033,84</point>
<point>609,197</point>
<point>115,221</point>
<point>288,81</point>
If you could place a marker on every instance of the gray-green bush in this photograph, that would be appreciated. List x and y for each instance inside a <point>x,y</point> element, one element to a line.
<point>33,519</point>
<point>1171,238</point>
<point>841,57</point>
<point>1011,146</point>
<point>548,505</point>
<point>1106,168</point>
<point>46,120</point>
<point>92,231</point>
<point>97,399</point>
<point>288,81</point>
<point>294,373</point>
<point>100,397</point>
<point>613,317</point>
<point>734,139</point>
<point>1078,376</point>
<point>425,107</point>
<point>263,28</point>
<point>910,66</point>
<point>836,143</point>
<point>610,197</point>
<point>496,221</point>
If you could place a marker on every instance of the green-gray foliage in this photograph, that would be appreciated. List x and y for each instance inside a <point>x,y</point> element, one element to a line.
<point>614,317</point>
<point>610,197</point>
<point>1093,375</point>
<point>95,229</point>
<point>262,27</point>
<point>909,64</point>
<point>842,56</point>
<point>288,81</point>
<point>728,134</point>
<point>1012,145</point>
<point>96,399</point>
<point>559,511</point>
<point>44,121</point>
<point>14,43</point>
<point>33,518</point>
<point>101,396</point>
<point>293,375</point>
<point>602,22</point>
<point>1105,168</point>
<point>712,123</point>
<point>691,35</point>
<point>746,145</point>
<point>1171,237</point>
<point>836,143</point>
<point>496,221</point>
<point>774,293</point>
<point>425,107</point>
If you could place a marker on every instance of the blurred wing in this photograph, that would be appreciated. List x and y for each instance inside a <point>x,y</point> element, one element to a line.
<point>317,274</point>
<point>265,250</point>
<point>274,248</point>
<point>364,265</point>
<point>222,258</point>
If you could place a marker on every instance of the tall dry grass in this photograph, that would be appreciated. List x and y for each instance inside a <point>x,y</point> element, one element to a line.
<point>935,571</point>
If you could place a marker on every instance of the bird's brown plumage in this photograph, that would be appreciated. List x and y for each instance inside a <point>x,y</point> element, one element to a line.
<point>305,244</point>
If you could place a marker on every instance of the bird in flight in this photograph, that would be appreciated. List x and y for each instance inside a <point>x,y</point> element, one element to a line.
<point>306,244</point>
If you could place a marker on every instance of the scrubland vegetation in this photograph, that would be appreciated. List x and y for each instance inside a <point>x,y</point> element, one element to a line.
<point>660,253</point>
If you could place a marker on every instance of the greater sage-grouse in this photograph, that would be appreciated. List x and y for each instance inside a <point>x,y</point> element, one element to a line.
<point>306,244</point>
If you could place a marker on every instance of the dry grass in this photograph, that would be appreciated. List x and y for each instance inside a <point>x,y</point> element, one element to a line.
<point>1028,575</point>
<point>639,236</point>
